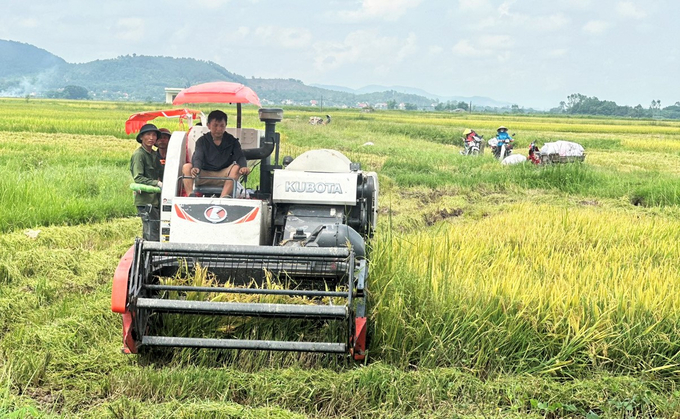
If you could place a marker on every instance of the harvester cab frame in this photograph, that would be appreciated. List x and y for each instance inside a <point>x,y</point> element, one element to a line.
<point>291,251</point>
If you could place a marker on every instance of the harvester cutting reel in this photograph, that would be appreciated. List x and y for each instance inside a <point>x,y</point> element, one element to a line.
<point>315,285</point>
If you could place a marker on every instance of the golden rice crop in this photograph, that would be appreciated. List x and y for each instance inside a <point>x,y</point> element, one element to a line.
<point>226,327</point>
<point>579,285</point>
<point>533,123</point>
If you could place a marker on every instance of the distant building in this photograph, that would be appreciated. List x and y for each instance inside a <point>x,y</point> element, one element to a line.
<point>171,93</point>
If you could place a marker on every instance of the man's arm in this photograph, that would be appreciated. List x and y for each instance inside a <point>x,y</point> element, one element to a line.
<point>198,159</point>
<point>239,157</point>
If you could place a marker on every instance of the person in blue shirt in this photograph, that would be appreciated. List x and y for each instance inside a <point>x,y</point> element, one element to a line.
<point>502,134</point>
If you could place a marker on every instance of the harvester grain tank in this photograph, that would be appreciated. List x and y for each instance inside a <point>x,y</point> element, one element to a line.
<point>299,239</point>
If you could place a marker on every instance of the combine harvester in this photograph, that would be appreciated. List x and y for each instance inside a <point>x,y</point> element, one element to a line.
<point>297,240</point>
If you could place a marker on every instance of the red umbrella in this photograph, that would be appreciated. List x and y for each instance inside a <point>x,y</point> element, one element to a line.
<point>136,121</point>
<point>217,92</point>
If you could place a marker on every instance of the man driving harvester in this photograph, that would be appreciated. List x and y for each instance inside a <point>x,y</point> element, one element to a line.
<point>217,154</point>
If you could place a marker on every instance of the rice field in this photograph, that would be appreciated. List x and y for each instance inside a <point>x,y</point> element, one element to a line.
<point>494,291</point>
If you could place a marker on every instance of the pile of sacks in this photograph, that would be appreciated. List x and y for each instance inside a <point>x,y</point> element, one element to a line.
<point>562,148</point>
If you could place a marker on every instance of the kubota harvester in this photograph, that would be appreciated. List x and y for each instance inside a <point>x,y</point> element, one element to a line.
<point>291,252</point>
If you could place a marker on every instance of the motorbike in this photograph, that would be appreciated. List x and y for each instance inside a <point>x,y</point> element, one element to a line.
<point>474,147</point>
<point>501,148</point>
<point>533,153</point>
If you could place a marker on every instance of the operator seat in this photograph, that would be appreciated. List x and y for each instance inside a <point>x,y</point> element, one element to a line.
<point>193,135</point>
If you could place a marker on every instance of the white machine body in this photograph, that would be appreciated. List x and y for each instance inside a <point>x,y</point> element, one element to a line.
<point>218,221</point>
<point>318,177</point>
<point>374,214</point>
<point>314,188</point>
<point>209,220</point>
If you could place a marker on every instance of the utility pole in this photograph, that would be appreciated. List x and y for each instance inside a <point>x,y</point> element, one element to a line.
<point>321,103</point>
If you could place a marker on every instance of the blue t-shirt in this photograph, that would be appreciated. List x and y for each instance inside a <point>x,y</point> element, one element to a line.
<point>503,136</point>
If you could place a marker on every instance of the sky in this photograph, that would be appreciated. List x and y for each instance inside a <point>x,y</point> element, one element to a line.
<point>530,52</point>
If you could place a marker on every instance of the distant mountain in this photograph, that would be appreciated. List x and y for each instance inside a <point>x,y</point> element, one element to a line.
<point>476,100</point>
<point>20,59</point>
<point>28,70</point>
<point>336,88</point>
<point>286,90</point>
<point>141,77</point>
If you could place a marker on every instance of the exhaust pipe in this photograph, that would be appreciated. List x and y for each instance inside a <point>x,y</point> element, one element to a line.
<point>271,141</point>
<point>270,117</point>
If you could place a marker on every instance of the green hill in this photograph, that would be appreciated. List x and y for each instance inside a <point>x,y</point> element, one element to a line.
<point>141,77</point>
<point>28,70</point>
<point>20,59</point>
<point>280,90</point>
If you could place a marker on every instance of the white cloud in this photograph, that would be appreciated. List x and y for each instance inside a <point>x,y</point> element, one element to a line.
<point>503,57</point>
<point>579,4</point>
<point>550,23</point>
<point>507,17</point>
<point>484,46</point>
<point>291,38</point>
<point>242,32</point>
<point>560,52</point>
<point>487,22</point>
<point>504,8</point>
<point>473,5</point>
<point>504,17</point>
<point>28,23</point>
<point>628,9</point>
<point>382,9</point>
<point>435,49</point>
<point>130,28</point>
<point>232,35</point>
<point>210,4</point>
<point>464,47</point>
<point>552,83</point>
<point>408,48</point>
<point>596,27</point>
<point>494,42</point>
<point>364,47</point>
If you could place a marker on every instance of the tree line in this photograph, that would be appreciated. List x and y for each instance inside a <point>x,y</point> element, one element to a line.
<point>579,104</point>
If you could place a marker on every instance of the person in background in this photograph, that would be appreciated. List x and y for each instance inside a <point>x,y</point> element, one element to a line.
<point>145,170</point>
<point>469,136</point>
<point>162,148</point>
<point>502,134</point>
<point>217,154</point>
<point>496,143</point>
<point>469,139</point>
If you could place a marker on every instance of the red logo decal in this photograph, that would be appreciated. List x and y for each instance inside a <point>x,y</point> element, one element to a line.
<point>215,214</point>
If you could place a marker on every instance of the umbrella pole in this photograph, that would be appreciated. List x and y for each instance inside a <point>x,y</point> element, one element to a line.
<point>238,115</point>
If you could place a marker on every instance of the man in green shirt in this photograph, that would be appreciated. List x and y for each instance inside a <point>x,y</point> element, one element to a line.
<point>145,170</point>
